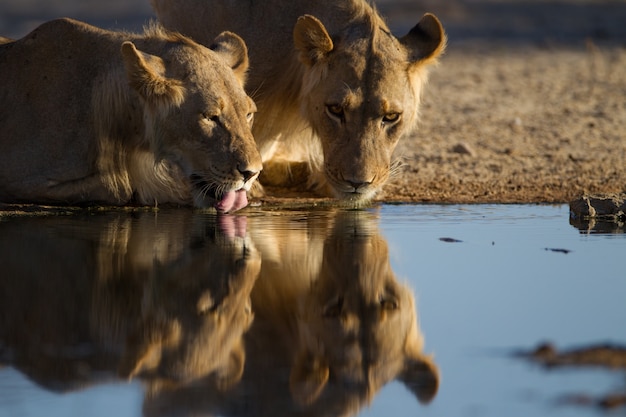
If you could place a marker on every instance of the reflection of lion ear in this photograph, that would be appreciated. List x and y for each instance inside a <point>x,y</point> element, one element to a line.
<point>144,76</point>
<point>143,348</point>
<point>137,358</point>
<point>308,378</point>
<point>421,376</point>
<point>233,50</point>
<point>231,372</point>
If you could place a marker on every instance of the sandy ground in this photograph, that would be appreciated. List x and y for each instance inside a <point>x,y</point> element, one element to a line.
<point>527,105</point>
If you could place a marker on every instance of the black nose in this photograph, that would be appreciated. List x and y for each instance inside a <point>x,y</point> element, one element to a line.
<point>358,185</point>
<point>247,174</point>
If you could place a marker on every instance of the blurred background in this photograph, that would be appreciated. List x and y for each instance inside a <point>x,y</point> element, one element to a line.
<point>560,21</point>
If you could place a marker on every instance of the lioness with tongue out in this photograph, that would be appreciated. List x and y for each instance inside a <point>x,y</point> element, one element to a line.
<point>95,116</point>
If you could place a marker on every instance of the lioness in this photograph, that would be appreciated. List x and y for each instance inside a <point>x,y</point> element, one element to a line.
<point>90,115</point>
<point>334,87</point>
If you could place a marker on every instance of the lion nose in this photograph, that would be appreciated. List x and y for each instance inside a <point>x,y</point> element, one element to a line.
<point>359,184</point>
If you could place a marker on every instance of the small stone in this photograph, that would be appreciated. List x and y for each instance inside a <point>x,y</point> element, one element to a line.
<point>603,205</point>
<point>463,149</point>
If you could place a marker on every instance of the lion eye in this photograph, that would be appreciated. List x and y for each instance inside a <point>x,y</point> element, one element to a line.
<point>388,303</point>
<point>250,117</point>
<point>335,111</point>
<point>334,307</point>
<point>215,118</point>
<point>391,117</point>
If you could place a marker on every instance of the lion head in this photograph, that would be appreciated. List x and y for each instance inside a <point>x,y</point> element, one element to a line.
<point>361,93</point>
<point>198,125</point>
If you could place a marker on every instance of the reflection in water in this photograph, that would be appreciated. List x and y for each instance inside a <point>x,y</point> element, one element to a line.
<point>166,298</point>
<point>162,296</point>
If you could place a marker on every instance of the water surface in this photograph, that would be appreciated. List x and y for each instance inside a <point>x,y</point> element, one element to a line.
<point>299,312</point>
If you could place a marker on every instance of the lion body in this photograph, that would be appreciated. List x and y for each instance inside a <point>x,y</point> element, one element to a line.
<point>335,89</point>
<point>89,116</point>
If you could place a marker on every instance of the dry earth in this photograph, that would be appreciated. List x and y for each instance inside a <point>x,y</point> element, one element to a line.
<point>527,105</point>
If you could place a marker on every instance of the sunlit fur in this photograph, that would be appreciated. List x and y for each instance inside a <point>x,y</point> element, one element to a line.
<point>114,117</point>
<point>294,75</point>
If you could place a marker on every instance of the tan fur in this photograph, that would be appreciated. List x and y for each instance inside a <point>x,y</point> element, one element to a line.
<point>111,117</point>
<point>166,298</point>
<point>195,309</point>
<point>357,322</point>
<point>163,297</point>
<point>334,87</point>
<point>332,326</point>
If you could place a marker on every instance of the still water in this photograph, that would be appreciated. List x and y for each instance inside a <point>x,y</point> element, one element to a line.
<point>396,310</point>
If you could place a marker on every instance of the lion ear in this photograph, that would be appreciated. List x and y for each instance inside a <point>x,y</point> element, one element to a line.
<point>233,50</point>
<point>421,376</point>
<point>144,76</point>
<point>230,374</point>
<point>142,352</point>
<point>426,41</point>
<point>308,378</point>
<point>311,39</point>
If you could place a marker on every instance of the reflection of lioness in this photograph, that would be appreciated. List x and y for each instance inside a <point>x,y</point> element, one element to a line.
<point>358,328</point>
<point>332,326</point>
<point>110,117</point>
<point>335,89</point>
<point>165,298</point>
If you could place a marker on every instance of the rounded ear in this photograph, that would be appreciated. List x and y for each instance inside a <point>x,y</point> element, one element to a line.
<point>308,378</point>
<point>142,352</point>
<point>311,39</point>
<point>229,374</point>
<point>143,72</point>
<point>421,376</point>
<point>233,50</point>
<point>144,347</point>
<point>426,41</point>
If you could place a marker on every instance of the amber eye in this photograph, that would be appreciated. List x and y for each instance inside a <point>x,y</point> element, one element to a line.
<point>334,307</point>
<point>335,110</point>
<point>391,117</point>
<point>388,303</point>
<point>250,117</point>
<point>212,117</point>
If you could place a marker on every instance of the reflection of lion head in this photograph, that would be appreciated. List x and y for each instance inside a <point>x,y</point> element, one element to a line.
<point>195,306</point>
<point>163,297</point>
<point>332,325</point>
<point>358,324</point>
<point>337,92</point>
<point>99,116</point>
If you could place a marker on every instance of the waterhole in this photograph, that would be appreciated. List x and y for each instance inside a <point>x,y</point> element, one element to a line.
<point>393,310</point>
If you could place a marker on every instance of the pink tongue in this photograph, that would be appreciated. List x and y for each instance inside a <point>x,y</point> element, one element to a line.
<point>232,201</point>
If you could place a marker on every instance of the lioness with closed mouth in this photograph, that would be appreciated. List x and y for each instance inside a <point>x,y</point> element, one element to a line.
<point>335,89</point>
<point>94,116</point>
